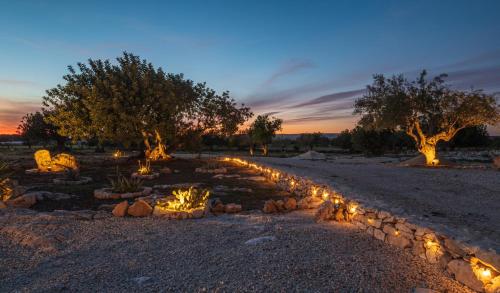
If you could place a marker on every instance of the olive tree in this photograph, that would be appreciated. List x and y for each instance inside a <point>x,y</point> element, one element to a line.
<point>132,101</point>
<point>262,131</point>
<point>428,111</point>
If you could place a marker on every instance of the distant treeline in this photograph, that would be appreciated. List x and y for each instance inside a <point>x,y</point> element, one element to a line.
<point>357,140</point>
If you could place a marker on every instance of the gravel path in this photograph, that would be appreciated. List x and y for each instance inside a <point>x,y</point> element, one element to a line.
<point>47,253</point>
<point>464,203</point>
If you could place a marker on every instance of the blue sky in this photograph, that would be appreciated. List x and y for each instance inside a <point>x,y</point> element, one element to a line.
<point>303,61</point>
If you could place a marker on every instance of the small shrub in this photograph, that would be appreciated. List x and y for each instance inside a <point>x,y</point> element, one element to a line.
<point>187,199</point>
<point>122,184</point>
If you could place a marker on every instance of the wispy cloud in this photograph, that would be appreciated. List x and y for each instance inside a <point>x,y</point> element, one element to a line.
<point>331,98</point>
<point>289,67</point>
<point>17,82</point>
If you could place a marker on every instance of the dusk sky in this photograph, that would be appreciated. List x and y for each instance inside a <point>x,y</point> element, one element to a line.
<point>302,61</point>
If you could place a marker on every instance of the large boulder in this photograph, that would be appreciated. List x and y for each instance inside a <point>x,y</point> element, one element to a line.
<point>270,207</point>
<point>120,209</point>
<point>140,208</point>
<point>463,273</point>
<point>290,203</point>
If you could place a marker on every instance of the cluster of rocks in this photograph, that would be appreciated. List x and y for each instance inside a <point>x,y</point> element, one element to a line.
<point>211,171</point>
<point>331,211</point>
<point>478,269</point>
<point>29,199</point>
<point>139,208</point>
<point>217,207</point>
<point>107,193</point>
<point>146,206</point>
<point>279,206</point>
<point>150,176</point>
<point>64,181</point>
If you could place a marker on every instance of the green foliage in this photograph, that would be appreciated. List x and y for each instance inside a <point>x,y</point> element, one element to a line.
<point>263,130</point>
<point>378,142</point>
<point>122,184</point>
<point>343,140</point>
<point>474,136</point>
<point>310,140</point>
<point>5,186</point>
<point>427,110</point>
<point>35,129</point>
<point>132,102</point>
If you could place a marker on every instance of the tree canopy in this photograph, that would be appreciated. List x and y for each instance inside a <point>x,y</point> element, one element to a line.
<point>34,129</point>
<point>132,101</point>
<point>263,129</point>
<point>429,111</point>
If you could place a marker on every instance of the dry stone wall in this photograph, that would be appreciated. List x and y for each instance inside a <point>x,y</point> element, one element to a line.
<point>478,269</point>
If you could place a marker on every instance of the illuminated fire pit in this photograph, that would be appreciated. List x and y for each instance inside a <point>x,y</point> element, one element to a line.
<point>183,204</point>
<point>145,172</point>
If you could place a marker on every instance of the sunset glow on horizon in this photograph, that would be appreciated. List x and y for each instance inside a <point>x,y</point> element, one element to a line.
<point>302,62</point>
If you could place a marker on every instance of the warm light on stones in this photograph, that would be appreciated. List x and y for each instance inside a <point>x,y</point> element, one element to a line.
<point>337,201</point>
<point>325,195</point>
<point>117,154</point>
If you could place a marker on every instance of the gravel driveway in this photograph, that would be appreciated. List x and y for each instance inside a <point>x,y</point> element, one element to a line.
<point>464,203</point>
<point>47,253</point>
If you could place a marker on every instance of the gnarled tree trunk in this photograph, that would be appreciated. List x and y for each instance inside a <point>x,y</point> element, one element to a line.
<point>159,152</point>
<point>265,149</point>
<point>427,145</point>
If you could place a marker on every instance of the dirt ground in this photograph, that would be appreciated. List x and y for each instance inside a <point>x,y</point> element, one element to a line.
<point>464,203</point>
<point>248,252</point>
<point>101,166</point>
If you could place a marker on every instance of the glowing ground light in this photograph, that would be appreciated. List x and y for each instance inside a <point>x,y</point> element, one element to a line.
<point>325,195</point>
<point>314,191</point>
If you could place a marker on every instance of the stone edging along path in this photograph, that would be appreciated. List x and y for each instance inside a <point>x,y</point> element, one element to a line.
<point>476,268</point>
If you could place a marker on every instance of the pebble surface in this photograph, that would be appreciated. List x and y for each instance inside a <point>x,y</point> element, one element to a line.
<point>42,252</point>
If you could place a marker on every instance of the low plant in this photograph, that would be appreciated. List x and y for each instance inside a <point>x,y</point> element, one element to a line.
<point>144,169</point>
<point>5,183</point>
<point>187,199</point>
<point>122,184</point>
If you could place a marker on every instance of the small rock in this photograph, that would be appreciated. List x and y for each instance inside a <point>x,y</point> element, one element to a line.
<point>403,228</point>
<point>259,240</point>
<point>399,241</point>
<point>270,207</point>
<point>232,208</point>
<point>290,203</point>
<point>198,213</point>
<point>280,205</point>
<point>218,208</point>
<point>2,205</point>
<point>140,208</point>
<point>496,162</point>
<point>378,234</point>
<point>339,215</point>
<point>141,280</point>
<point>383,215</point>
<point>120,209</point>
<point>463,273</point>
<point>166,170</point>
<point>325,212</point>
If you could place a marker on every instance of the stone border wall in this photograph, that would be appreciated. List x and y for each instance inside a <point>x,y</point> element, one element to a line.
<point>478,269</point>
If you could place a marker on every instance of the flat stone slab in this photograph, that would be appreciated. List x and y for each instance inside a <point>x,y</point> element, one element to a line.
<point>63,181</point>
<point>107,193</point>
